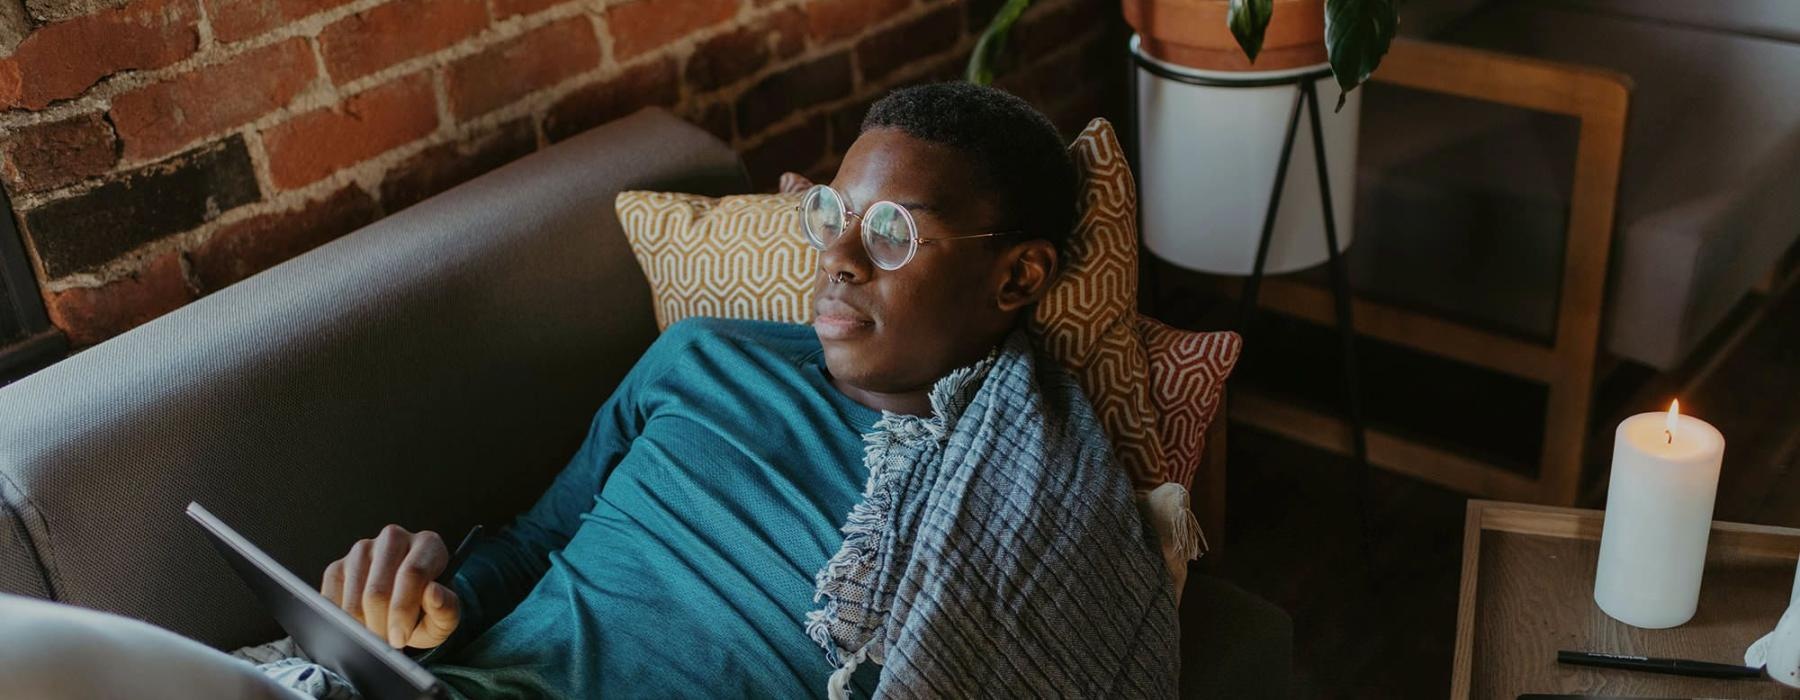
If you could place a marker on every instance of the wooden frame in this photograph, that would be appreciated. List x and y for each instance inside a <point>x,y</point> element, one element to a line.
<point>1598,99</point>
<point>1763,541</point>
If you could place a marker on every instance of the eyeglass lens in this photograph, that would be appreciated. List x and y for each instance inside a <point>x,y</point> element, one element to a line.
<point>887,231</point>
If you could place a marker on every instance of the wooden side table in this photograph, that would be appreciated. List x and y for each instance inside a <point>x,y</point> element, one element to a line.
<point>1528,591</point>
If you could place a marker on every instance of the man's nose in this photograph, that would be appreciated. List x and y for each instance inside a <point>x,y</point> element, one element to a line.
<point>845,255</point>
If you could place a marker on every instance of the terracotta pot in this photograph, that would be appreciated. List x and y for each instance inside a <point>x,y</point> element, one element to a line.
<point>1194,33</point>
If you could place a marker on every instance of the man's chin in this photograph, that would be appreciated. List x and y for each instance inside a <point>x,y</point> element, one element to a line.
<point>847,361</point>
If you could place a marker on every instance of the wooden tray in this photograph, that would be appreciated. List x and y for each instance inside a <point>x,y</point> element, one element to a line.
<point>1528,591</point>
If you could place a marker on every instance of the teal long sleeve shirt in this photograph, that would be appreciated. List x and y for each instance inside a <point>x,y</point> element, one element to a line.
<point>674,556</point>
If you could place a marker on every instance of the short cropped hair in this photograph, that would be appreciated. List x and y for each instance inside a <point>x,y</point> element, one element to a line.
<point>1017,152</point>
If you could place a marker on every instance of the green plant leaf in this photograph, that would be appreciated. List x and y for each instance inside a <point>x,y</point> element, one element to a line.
<point>993,42</point>
<point>1357,34</point>
<point>1248,19</point>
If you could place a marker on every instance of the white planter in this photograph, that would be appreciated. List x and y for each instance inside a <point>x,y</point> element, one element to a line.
<point>1207,158</point>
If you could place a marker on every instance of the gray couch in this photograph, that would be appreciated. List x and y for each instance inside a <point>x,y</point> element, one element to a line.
<point>435,369</point>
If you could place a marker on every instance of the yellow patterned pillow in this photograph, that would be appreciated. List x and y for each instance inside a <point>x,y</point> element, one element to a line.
<point>736,257</point>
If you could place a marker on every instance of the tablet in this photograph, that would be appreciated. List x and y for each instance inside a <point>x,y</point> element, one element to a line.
<point>330,636</point>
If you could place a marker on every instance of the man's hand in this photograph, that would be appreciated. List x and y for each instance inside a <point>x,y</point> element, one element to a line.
<point>386,583</point>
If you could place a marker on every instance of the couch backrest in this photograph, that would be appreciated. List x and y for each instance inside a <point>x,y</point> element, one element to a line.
<point>435,369</point>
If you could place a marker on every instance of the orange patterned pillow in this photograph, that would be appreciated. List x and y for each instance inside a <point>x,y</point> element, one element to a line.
<point>1187,372</point>
<point>1155,388</point>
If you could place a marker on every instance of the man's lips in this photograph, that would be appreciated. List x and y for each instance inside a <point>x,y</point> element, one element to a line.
<point>836,320</point>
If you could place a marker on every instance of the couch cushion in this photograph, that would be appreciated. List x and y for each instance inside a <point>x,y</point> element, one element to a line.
<point>434,369</point>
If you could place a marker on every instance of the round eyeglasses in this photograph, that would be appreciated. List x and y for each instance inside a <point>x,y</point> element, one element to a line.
<point>889,234</point>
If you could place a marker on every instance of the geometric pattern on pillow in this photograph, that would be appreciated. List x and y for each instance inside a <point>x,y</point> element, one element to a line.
<point>1087,319</point>
<point>1187,381</point>
<point>735,257</point>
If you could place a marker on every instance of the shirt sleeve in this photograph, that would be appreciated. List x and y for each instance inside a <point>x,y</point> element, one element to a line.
<point>503,568</point>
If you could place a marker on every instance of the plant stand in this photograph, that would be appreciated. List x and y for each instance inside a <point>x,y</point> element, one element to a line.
<point>1305,95</point>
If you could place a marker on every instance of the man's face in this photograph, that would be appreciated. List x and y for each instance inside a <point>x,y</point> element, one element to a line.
<point>896,331</point>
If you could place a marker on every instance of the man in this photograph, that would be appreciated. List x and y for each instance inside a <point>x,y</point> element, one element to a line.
<point>686,547</point>
<point>677,551</point>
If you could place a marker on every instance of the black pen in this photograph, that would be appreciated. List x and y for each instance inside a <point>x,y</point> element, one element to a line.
<point>457,557</point>
<point>1679,667</point>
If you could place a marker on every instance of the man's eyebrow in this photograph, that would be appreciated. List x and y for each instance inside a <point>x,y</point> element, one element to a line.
<point>917,207</point>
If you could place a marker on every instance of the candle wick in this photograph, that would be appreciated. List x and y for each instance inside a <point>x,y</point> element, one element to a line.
<point>1670,438</point>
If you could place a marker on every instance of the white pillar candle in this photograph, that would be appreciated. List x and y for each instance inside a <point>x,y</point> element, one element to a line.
<point>1665,473</point>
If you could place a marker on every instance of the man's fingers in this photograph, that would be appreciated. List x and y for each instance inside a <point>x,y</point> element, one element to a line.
<point>332,584</point>
<point>423,561</point>
<point>384,562</point>
<point>443,610</point>
<point>356,568</point>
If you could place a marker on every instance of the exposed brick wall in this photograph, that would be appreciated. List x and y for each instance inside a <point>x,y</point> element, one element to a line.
<point>158,150</point>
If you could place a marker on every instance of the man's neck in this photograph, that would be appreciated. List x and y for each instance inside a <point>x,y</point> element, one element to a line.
<point>912,403</point>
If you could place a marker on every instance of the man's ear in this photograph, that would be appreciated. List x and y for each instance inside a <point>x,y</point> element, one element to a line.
<point>1030,268</point>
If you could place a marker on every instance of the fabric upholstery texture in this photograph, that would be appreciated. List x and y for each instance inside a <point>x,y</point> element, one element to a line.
<point>434,369</point>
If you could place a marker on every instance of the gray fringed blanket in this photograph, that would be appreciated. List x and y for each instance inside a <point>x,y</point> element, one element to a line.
<point>997,550</point>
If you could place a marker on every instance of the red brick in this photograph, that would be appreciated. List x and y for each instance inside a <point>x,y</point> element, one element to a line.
<point>1041,32</point>
<point>639,86</point>
<point>846,124</point>
<point>447,165</point>
<point>795,148</point>
<point>901,45</point>
<point>509,8</point>
<point>62,60</point>
<point>85,231</point>
<point>311,146</point>
<point>728,58</point>
<point>258,243</point>
<point>236,20</point>
<point>829,20</point>
<point>1044,81</point>
<point>779,94</point>
<point>387,34</point>
<point>509,70</point>
<point>789,28</point>
<point>162,117</point>
<point>89,315</point>
<point>735,55</point>
<point>643,25</point>
<point>50,155</point>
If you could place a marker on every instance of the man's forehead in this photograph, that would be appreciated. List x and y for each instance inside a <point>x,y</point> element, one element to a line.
<point>923,176</point>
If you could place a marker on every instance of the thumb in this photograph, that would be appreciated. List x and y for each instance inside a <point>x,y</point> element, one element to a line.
<point>443,610</point>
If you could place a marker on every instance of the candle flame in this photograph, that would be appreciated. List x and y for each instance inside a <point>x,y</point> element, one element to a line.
<point>1674,413</point>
